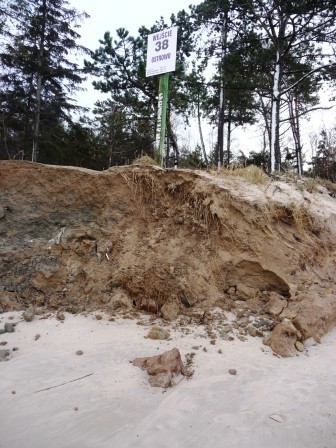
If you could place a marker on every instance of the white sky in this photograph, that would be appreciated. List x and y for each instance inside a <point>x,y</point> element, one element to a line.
<point>108,15</point>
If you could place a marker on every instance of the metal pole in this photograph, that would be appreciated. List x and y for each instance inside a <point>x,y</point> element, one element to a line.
<point>161,118</point>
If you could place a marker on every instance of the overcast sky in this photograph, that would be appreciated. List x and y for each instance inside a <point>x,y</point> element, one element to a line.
<point>108,15</point>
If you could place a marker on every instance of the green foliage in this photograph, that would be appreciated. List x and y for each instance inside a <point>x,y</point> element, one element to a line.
<point>126,122</point>
<point>324,163</point>
<point>37,77</point>
<point>225,47</point>
<point>259,159</point>
<point>192,159</point>
<point>122,136</point>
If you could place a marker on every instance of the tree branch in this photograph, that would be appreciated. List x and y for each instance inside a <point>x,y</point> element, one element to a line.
<point>59,385</point>
<point>304,77</point>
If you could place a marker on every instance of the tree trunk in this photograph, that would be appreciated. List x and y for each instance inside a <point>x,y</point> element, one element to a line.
<point>276,92</point>
<point>39,84</point>
<point>220,139</point>
<point>275,120</point>
<point>228,138</point>
<point>298,137</point>
<point>201,133</point>
<point>295,126</point>
<point>264,111</point>
<point>173,140</point>
<point>5,135</point>
<point>28,125</point>
<point>221,112</point>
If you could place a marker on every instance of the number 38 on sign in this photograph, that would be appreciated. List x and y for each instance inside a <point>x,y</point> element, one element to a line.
<point>161,52</point>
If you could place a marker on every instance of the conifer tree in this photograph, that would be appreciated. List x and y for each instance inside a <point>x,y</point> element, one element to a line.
<point>287,27</point>
<point>38,77</point>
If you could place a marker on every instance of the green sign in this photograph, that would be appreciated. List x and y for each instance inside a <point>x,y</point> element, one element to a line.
<point>161,118</point>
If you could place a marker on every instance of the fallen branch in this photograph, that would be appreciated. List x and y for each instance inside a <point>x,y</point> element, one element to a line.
<point>59,385</point>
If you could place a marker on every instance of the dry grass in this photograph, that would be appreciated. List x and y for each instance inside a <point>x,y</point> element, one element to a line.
<point>144,187</point>
<point>295,215</point>
<point>306,183</point>
<point>331,186</point>
<point>302,184</point>
<point>144,160</point>
<point>252,174</point>
<point>313,183</point>
<point>202,214</point>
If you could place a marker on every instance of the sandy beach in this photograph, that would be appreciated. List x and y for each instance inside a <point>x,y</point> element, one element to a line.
<point>51,397</point>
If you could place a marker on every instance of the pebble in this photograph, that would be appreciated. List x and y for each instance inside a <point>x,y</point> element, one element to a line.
<point>9,328</point>
<point>3,343</point>
<point>15,349</point>
<point>158,333</point>
<point>299,346</point>
<point>99,316</point>
<point>37,336</point>
<point>226,329</point>
<point>79,352</point>
<point>278,418</point>
<point>13,392</point>
<point>213,342</point>
<point>4,355</point>
<point>252,331</point>
<point>60,316</point>
<point>163,380</point>
<point>28,315</point>
<point>232,371</point>
<point>220,351</point>
<point>205,349</point>
<point>76,408</point>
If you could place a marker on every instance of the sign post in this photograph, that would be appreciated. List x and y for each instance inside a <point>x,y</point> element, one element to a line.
<point>161,59</point>
<point>161,118</point>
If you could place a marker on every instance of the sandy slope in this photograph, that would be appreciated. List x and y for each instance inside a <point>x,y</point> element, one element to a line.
<point>143,238</point>
<point>118,408</point>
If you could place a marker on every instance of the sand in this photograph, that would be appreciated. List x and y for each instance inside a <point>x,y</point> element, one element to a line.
<point>270,402</point>
<point>142,238</point>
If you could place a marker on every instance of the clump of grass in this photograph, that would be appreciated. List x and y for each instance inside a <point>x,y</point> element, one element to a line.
<point>300,187</point>
<point>330,186</point>
<point>305,184</point>
<point>251,173</point>
<point>143,185</point>
<point>144,160</point>
<point>311,184</point>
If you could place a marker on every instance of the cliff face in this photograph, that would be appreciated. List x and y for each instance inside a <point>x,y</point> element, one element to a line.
<point>140,237</point>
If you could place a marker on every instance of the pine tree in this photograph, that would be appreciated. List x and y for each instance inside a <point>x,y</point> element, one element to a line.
<point>38,77</point>
<point>324,162</point>
<point>120,67</point>
<point>286,28</point>
<point>274,33</point>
